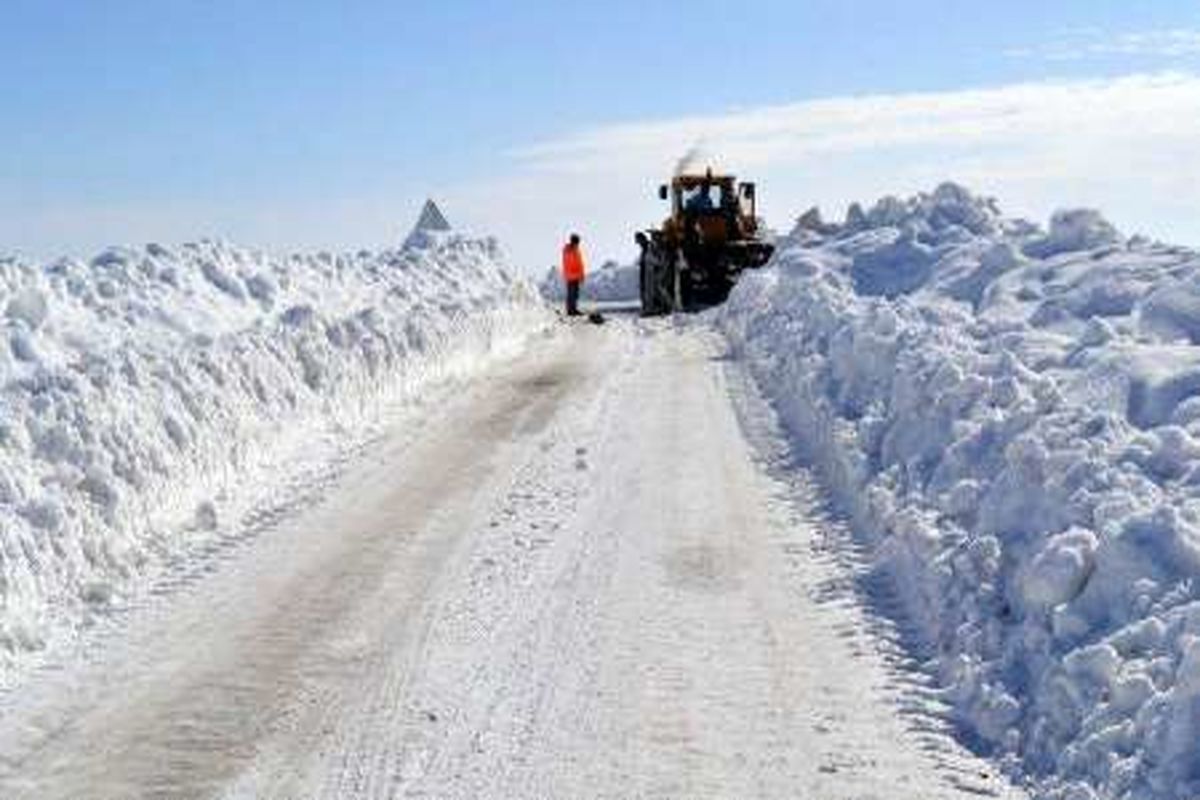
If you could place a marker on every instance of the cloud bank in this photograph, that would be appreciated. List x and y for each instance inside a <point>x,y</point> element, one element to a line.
<point>1091,43</point>
<point>1128,145</point>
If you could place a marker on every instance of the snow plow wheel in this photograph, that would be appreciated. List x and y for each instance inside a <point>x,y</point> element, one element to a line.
<point>657,278</point>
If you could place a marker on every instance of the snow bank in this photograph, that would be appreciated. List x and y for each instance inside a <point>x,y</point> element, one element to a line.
<point>148,392</point>
<point>611,283</point>
<point>1011,417</point>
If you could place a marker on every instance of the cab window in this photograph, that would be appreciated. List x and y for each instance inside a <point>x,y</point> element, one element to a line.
<point>702,198</point>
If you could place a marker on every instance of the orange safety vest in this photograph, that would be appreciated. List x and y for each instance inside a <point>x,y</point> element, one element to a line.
<point>572,264</point>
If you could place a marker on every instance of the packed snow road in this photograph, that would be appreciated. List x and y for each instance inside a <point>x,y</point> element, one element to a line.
<point>582,577</point>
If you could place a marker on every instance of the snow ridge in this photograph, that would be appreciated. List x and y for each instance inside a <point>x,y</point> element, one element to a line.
<point>146,394</point>
<point>1011,418</point>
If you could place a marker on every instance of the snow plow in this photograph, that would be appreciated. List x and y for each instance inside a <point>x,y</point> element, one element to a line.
<point>712,235</point>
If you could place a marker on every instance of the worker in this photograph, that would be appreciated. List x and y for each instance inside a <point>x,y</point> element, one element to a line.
<point>701,200</point>
<point>573,273</point>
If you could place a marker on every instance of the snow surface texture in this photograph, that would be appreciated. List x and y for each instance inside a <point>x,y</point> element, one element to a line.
<point>1011,418</point>
<point>145,394</point>
<point>611,283</point>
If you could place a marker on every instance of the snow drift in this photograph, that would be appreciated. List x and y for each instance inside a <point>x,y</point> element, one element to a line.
<point>1011,418</point>
<point>146,394</point>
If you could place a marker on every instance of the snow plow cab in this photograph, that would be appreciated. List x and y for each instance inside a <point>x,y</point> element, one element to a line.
<point>713,234</point>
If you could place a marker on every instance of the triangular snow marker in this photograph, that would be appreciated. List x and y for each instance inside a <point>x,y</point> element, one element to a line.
<point>432,220</point>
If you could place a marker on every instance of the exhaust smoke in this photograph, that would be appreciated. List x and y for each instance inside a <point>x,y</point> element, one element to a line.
<point>691,160</point>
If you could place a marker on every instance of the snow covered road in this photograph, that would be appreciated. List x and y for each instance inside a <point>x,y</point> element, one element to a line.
<point>582,577</point>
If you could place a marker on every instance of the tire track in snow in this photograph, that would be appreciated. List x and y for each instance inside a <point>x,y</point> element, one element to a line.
<point>264,654</point>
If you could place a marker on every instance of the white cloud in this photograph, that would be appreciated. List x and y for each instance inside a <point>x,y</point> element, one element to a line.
<point>1130,146</point>
<point>1091,43</point>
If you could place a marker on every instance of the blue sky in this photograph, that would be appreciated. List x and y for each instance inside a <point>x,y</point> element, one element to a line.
<point>318,124</point>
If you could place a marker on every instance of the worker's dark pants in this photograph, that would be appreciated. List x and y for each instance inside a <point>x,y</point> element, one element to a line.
<point>573,298</point>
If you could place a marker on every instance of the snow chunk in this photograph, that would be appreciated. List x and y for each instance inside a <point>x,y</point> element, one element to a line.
<point>1060,570</point>
<point>29,306</point>
<point>221,279</point>
<point>893,269</point>
<point>1173,311</point>
<point>262,289</point>
<point>1073,231</point>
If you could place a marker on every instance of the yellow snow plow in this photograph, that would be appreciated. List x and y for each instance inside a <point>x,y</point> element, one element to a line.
<point>711,236</point>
